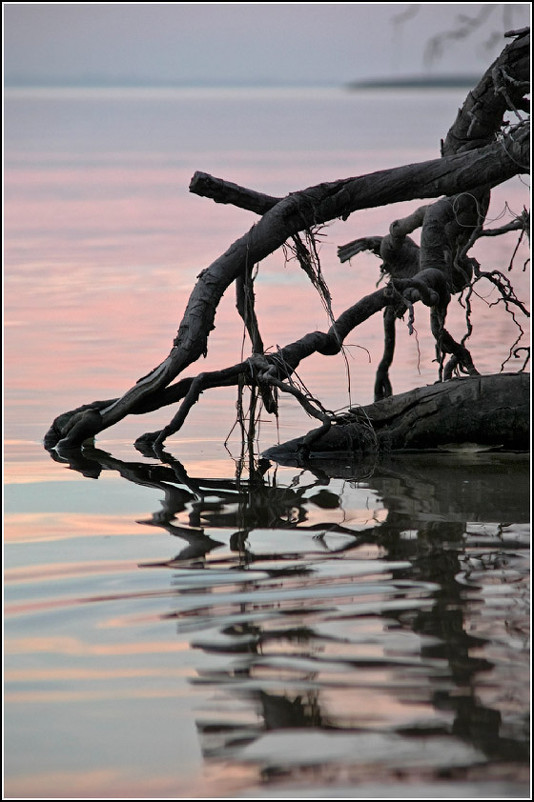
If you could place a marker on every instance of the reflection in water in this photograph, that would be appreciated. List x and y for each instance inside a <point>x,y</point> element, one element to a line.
<point>392,647</point>
<point>311,600</point>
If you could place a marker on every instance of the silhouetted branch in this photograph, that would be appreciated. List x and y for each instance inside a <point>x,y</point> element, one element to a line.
<point>479,152</point>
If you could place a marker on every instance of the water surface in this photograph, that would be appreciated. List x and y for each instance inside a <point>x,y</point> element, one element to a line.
<point>187,627</point>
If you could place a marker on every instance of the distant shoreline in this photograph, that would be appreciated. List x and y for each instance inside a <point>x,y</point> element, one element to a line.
<point>408,82</point>
<point>418,82</point>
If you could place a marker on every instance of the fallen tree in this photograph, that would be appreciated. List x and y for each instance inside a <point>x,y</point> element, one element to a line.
<point>487,144</point>
<point>475,413</point>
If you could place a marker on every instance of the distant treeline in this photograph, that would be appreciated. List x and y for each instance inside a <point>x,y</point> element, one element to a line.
<point>418,82</point>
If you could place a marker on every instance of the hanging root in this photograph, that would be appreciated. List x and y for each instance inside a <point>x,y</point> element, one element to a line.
<point>305,251</point>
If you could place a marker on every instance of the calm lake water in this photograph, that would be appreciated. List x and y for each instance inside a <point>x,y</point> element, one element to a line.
<point>181,628</point>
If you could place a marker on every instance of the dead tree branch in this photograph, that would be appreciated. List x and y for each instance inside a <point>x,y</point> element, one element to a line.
<point>450,226</point>
<point>298,211</point>
<point>477,154</point>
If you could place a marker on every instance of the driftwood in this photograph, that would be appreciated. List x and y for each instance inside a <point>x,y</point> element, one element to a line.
<point>482,149</point>
<point>467,414</point>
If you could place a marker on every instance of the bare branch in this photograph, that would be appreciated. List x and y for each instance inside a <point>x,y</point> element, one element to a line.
<point>481,150</point>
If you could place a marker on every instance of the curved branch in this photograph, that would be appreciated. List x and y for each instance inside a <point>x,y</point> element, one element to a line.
<point>273,370</point>
<point>500,89</point>
<point>296,212</point>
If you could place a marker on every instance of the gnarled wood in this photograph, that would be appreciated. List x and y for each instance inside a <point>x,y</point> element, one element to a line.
<point>468,413</point>
<point>476,156</point>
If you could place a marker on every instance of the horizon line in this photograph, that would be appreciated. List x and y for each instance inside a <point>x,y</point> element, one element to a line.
<point>93,82</point>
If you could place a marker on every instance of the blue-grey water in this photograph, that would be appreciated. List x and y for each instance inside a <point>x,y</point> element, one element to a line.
<point>187,627</point>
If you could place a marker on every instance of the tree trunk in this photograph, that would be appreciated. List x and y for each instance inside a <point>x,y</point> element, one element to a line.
<point>474,413</point>
<point>480,151</point>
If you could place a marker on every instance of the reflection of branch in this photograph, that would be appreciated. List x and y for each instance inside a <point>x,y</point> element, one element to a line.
<point>199,544</point>
<point>238,504</point>
<point>296,650</point>
<point>434,485</point>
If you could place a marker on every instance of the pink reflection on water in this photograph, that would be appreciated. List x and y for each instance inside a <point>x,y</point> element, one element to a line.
<point>74,646</point>
<point>130,783</point>
<point>100,263</point>
<point>33,527</point>
<point>100,260</point>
